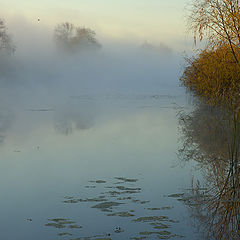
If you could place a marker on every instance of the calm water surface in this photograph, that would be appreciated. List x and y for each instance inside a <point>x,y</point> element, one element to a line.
<point>93,167</point>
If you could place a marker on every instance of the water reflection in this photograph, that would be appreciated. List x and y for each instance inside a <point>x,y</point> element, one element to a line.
<point>91,167</point>
<point>71,117</point>
<point>210,136</point>
<point>6,119</point>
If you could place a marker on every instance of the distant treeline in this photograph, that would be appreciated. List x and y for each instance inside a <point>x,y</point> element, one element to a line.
<point>67,37</point>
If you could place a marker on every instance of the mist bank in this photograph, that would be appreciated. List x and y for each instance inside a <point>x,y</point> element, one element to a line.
<point>116,66</point>
<point>41,74</point>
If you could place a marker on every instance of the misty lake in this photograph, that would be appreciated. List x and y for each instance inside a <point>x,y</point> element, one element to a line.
<point>99,140</point>
<point>93,166</point>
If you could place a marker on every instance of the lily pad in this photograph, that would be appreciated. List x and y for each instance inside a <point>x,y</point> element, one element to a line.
<point>105,206</point>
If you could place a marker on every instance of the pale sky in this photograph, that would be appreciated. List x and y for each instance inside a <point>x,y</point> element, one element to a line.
<point>120,20</point>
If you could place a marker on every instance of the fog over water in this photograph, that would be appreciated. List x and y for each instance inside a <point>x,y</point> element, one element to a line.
<point>40,70</point>
<point>88,138</point>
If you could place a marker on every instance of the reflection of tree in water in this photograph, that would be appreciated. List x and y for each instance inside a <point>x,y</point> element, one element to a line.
<point>211,137</point>
<point>71,118</point>
<point>5,122</point>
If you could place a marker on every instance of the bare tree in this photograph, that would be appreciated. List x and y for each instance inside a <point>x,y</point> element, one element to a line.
<point>71,38</point>
<point>219,21</point>
<point>6,44</point>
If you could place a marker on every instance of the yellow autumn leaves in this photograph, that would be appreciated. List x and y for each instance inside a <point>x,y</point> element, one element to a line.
<point>214,74</point>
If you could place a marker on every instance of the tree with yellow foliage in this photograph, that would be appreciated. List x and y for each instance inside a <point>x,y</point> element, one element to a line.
<point>214,76</point>
<point>218,21</point>
<point>215,73</point>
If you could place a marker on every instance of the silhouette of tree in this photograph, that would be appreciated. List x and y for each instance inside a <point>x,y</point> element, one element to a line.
<point>207,137</point>
<point>73,39</point>
<point>6,44</point>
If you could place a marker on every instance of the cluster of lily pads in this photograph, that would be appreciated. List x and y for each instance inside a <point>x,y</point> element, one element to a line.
<point>121,192</point>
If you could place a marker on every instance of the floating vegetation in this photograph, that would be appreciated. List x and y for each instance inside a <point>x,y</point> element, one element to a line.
<point>97,199</point>
<point>106,206</point>
<point>61,220</point>
<point>71,201</point>
<point>98,181</point>
<point>126,179</point>
<point>64,234</point>
<point>56,225</point>
<point>121,214</point>
<point>158,233</point>
<point>159,225</point>
<point>152,219</point>
<point>158,209</point>
<point>61,223</point>
<point>74,226</point>
<point>105,203</point>
<point>115,193</point>
<point>128,189</point>
<point>95,237</point>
